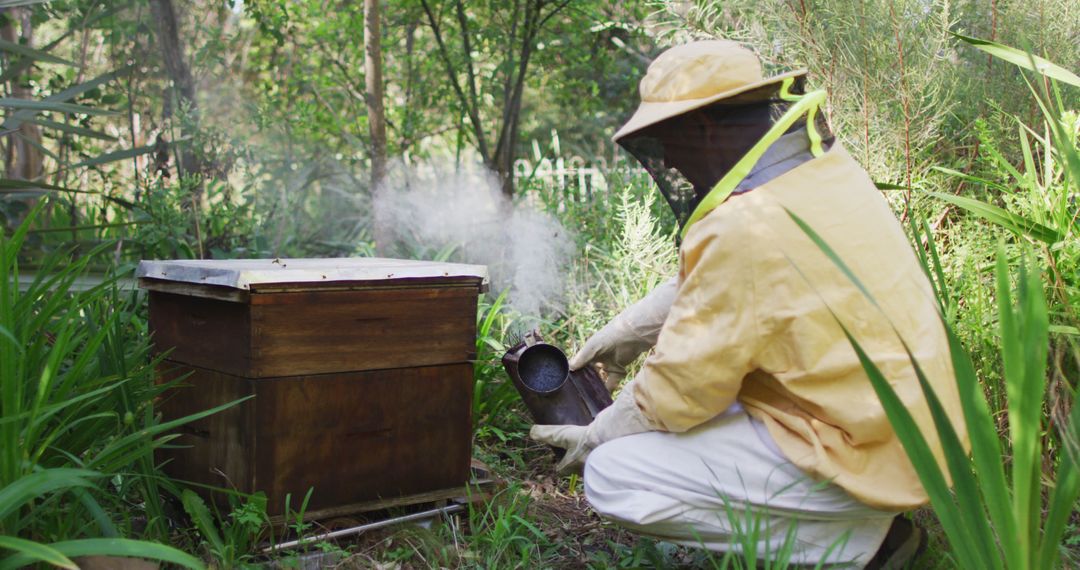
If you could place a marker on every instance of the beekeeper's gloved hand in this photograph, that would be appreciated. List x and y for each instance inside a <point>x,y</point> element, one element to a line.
<point>629,334</point>
<point>617,420</point>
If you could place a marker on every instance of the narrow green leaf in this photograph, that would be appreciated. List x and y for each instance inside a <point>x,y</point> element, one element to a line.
<point>115,156</point>
<point>1022,59</point>
<point>890,186</point>
<point>204,521</point>
<point>944,297</point>
<point>71,129</point>
<point>1061,505</point>
<point>963,479</point>
<point>37,552</point>
<point>35,105</point>
<point>34,485</point>
<point>1012,222</point>
<point>7,184</point>
<point>1024,337</point>
<point>40,147</point>
<point>918,451</point>
<point>985,447</point>
<point>1064,329</point>
<point>29,52</point>
<point>970,178</point>
<point>113,547</point>
<point>85,227</point>
<point>108,455</point>
<point>105,525</point>
<point>4,332</point>
<point>15,120</point>
<point>828,251</point>
<point>17,3</point>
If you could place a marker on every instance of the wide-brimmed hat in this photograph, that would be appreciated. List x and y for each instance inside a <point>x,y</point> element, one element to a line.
<point>693,75</point>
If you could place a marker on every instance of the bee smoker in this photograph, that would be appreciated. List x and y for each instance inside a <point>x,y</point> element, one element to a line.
<point>553,394</point>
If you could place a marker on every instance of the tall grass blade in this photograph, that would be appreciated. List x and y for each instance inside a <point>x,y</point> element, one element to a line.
<point>29,487</point>
<point>112,547</point>
<point>1062,502</point>
<point>985,447</point>
<point>15,120</point>
<point>72,129</point>
<point>54,106</point>
<point>114,156</point>
<point>31,53</point>
<point>918,451</point>
<point>971,535</point>
<point>1012,222</point>
<point>1024,345</point>
<point>969,178</point>
<point>963,479</point>
<point>37,552</point>
<point>1022,59</point>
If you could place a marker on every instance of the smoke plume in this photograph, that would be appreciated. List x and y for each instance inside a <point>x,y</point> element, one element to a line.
<point>434,210</point>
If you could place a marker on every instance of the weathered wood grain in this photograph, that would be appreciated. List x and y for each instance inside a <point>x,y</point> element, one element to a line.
<point>208,333</point>
<point>293,333</point>
<point>219,449</point>
<point>352,437</point>
<point>304,333</point>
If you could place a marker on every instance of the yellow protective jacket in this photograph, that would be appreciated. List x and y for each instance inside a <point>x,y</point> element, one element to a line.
<point>751,322</point>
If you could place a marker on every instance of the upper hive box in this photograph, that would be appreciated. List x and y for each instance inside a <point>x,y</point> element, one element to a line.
<point>360,370</point>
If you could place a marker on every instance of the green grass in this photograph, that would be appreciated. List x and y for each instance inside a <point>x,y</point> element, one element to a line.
<point>78,429</point>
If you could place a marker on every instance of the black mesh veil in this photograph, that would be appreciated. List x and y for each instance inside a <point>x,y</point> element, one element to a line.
<point>688,154</point>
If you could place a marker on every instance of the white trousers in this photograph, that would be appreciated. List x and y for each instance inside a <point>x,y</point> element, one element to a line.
<point>721,487</point>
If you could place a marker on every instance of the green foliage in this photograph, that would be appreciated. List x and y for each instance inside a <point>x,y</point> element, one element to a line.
<point>171,228</point>
<point>616,272</point>
<point>232,546</point>
<point>496,403</point>
<point>78,429</point>
<point>993,520</point>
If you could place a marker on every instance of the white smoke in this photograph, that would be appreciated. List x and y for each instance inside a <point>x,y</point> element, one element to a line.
<point>435,209</point>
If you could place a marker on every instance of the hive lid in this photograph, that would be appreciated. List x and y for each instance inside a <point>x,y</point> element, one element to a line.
<point>246,274</point>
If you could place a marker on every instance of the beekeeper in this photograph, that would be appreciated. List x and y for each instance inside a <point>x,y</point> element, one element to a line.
<point>752,416</point>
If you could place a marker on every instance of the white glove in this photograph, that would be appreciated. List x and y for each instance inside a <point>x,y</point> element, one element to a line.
<point>621,418</point>
<point>629,334</point>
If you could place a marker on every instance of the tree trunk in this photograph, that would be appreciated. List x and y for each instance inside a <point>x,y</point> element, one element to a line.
<point>373,96</point>
<point>22,160</point>
<point>172,52</point>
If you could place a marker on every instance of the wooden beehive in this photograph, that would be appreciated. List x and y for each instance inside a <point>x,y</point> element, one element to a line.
<point>360,371</point>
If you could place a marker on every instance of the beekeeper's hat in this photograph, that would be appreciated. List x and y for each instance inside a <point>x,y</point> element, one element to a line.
<point>693,75</point>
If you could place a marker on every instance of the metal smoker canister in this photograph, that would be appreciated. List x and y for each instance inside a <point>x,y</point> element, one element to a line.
<point>553,394</point>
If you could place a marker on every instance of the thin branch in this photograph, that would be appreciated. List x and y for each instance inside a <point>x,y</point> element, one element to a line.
<point>558,8</point>
<point>466,44</point>
<point>474,117</point>
<point>508,93</point>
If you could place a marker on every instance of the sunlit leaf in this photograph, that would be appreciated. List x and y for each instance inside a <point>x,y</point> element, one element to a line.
<point>1023,59</point>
